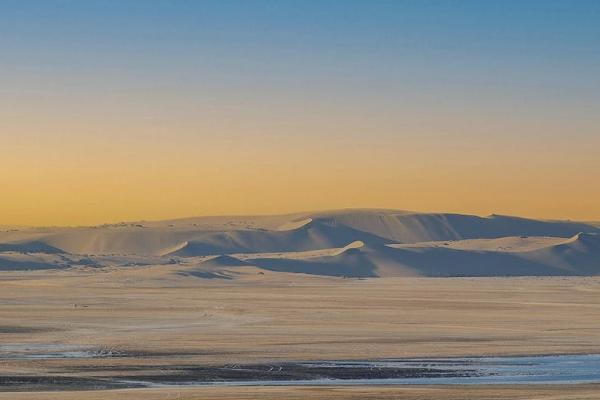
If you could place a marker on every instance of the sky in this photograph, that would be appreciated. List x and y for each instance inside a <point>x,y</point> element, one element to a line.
<point>115,110</point>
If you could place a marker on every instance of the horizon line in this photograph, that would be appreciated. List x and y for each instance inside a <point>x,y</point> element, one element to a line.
<point>314,211</point>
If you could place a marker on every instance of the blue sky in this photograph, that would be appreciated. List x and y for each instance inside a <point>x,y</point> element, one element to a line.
<point>528,40</point>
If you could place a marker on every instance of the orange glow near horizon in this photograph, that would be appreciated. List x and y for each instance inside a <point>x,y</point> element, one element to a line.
<point>145,172</point>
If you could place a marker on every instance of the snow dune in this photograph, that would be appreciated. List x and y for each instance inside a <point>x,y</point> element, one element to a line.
<point>358,243</point>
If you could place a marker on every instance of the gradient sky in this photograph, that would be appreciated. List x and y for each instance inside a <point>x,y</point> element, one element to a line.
<point>124,110</point>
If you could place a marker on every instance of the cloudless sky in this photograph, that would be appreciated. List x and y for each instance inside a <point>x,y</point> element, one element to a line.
<point>121,110</point>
